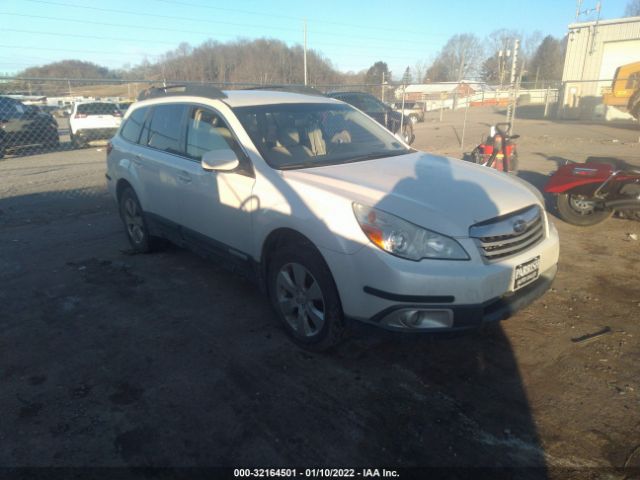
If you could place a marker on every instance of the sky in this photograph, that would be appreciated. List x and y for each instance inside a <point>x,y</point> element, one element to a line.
<point>352,34</point>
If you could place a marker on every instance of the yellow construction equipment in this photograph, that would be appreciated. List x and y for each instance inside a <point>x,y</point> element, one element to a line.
<point>625,89</point>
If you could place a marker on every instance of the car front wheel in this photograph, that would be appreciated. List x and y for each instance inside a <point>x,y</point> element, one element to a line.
<point>305,298</point>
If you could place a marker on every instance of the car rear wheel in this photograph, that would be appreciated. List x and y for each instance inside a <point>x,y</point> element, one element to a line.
<point>407,133</point>
<point>304,297</point>
<point>76,142</point>
<point>134,222</point>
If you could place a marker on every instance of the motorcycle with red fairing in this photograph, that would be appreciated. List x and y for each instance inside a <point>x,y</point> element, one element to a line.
<point>589,193</point>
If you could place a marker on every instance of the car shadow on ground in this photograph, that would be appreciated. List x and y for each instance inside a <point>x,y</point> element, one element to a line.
<point>18,152</point>
<point>536,112</point>
<point>171,361</point>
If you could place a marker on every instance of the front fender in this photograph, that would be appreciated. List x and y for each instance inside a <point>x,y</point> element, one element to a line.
<point>578,175</point>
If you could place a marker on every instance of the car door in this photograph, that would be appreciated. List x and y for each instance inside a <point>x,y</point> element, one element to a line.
<point>216,206</point>
<point>14,120</point>
<point>159,163</point>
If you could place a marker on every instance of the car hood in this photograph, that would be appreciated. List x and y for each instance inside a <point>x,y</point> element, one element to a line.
<point>442,194</point>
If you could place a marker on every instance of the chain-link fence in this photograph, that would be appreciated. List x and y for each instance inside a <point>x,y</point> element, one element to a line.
<point>45,114</point>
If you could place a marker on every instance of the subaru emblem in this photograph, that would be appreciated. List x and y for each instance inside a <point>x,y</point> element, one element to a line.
<point>519,226</point>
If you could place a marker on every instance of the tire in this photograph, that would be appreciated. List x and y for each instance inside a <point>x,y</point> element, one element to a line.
<point>304,296</point>
<point>54,143</point>
<point>580,211</point>
<point>135,224</point>
<point>513,163</point>
<point>76,142</point>
<point>476,156</point>
<point>407,133</point>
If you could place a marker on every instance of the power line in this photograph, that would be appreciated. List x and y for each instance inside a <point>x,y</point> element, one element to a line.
<point>372,56</point>
<point>155,15</point>
<point>289,17</point>
<point>107,24</point>
<point>75,35</point>
<point>163,29</point>
<point>201,20</point>
<point>102,52</point>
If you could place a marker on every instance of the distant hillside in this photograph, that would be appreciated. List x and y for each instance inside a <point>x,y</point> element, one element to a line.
<point>261,61</point>
<point>69,69</point>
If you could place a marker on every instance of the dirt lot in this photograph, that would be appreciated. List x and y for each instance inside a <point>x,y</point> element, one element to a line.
<point>112,359</point>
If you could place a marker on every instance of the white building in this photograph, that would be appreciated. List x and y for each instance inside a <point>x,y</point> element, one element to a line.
<point>594,51</point>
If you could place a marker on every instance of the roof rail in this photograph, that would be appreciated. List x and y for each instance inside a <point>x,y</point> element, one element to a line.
<point>302,89</point>
<point>190,90</point>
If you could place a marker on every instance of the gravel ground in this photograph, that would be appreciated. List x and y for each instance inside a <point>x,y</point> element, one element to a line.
<point>112,359</point>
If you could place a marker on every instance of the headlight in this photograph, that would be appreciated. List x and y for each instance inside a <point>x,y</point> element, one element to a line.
<point>404,239</point>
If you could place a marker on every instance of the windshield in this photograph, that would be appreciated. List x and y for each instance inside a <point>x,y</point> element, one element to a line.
<point>305,135</point>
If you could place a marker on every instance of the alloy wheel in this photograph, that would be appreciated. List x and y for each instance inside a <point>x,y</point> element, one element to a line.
<point>581,204</point>
<point>300,299</point>
<point>133,220</point>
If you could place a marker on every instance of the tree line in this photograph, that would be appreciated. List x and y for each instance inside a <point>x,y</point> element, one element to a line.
<point>270,61</point>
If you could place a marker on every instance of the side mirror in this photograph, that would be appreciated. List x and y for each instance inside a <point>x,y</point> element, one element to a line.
<point>224,160</point>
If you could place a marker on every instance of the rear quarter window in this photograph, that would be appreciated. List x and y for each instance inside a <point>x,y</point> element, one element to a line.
<point>165,131</point>
<point>133,126</point>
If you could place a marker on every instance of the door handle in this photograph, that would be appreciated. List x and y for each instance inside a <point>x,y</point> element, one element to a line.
<point>137,159</point>
<point>184,177</point>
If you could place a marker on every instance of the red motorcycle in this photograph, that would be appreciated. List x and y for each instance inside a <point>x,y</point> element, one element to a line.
<point>589,193</point>
<point>498,150</point>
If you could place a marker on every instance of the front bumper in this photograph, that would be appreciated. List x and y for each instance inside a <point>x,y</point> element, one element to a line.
<point>463,317</point>
<point>373,285</point>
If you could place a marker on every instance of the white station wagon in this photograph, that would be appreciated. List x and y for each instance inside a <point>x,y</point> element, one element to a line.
<point>335,217</point>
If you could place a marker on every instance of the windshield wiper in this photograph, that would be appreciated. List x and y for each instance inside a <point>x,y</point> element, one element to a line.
<point>369,156</point>
<point>374,155</point>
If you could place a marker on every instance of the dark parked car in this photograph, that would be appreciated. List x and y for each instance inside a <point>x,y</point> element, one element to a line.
<point>379,111</point>
<point>25,126</point>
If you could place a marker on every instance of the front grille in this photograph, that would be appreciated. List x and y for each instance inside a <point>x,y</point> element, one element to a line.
<point>497,238</point>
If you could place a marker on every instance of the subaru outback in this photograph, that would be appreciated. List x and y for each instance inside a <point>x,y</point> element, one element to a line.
<point>335,217</point>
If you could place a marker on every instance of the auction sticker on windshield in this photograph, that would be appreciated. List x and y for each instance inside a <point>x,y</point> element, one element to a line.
<point>526,272</point>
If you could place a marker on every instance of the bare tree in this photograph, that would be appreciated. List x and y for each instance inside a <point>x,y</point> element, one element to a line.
<point>632,9</point>
<point>419,71</point>
<point>460,58</point>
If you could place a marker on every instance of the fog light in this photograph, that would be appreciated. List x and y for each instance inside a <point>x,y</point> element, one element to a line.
<point>414,319</point>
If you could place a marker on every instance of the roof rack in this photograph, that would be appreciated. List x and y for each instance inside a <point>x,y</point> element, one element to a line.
<point>190,90</point>
<point>302,89</point>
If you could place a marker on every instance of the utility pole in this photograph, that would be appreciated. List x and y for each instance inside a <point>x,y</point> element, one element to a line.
<point>305,51</point>
<point>595,30</point>
<point>382,88</point>
<point>578,7</point>
<point>514,65</point>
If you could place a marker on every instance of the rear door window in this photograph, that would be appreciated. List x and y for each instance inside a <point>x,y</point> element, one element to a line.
<point>133,126</point>
<point>166,128</point>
